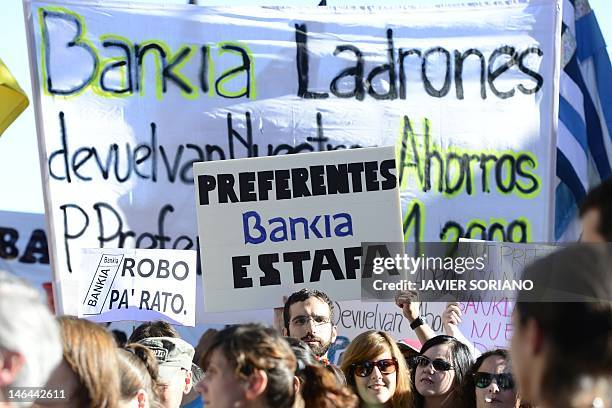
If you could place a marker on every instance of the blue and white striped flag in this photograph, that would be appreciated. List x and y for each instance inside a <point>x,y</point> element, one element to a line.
<point>584,146</point>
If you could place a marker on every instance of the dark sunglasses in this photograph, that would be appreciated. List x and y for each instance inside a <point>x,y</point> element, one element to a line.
<point>386,366</point>
<point>423,361</point>
<point>503,380</point>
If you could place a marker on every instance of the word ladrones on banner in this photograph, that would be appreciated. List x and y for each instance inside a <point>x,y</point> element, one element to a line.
<point>283,223</point>
<point>122,284</point>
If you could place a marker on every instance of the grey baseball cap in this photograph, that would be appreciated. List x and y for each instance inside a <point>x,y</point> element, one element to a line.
<point>173,354</point>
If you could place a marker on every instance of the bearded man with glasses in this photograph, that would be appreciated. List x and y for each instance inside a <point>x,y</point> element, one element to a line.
<point>308,316</point>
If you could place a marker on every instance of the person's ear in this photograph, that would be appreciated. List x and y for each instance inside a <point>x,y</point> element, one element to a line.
<point>297,383</point>
<point>256,385</point>
<point>285,332</point>
<point>141,397</point>
<point>11,363</point>
<point>334,334</point>
<point>535,336</point>
<point>188,383</point>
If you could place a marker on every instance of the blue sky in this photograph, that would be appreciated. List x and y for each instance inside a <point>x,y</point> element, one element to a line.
<point>20,181</point>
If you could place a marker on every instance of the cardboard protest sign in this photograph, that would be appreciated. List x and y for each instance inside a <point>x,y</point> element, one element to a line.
<point>271,226</point>
<point>489,324</point>
<point>354,317</point>
<point>23,247</point>
<point>466,93</point>
<point>138,284</point>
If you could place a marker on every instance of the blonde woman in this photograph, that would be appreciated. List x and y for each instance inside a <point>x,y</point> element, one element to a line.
<point>376,371</point>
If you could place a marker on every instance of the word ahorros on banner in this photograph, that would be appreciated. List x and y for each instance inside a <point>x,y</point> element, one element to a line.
<point>141,284</point>
<point>126,112</point>
<point>283,223</point>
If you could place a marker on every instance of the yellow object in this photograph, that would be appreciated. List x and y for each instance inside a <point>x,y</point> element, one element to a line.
<point>13,100</point>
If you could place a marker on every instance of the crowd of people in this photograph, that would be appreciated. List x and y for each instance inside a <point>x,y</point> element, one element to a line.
<point>560,354</point>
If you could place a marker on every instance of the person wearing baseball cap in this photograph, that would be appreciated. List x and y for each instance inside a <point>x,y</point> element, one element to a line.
<point>174,357</point>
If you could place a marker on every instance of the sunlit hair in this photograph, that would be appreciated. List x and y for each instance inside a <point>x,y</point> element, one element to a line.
<point>157,328</point>
<point>368,346</point>
<point>253,347</point>
<point>28,328</point>
<point>461,361</point>
<point>138,371</point>
<point>204,344</point>
<point>90,352</point>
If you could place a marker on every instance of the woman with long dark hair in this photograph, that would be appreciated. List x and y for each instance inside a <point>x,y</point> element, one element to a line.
<point>438,373</point>
<point>490,382</point>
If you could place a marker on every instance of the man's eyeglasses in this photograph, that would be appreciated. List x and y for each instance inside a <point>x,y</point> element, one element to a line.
<point>304,319</point>
<point>423,361</point>
<point>503,380</point>
<point>385,366</point>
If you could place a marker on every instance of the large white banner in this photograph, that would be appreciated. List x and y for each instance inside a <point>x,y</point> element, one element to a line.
<point>292,222</point>
<point>129,96</point>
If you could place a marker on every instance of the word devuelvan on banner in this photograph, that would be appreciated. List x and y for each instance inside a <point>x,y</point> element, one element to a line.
<point>138,284</point>
<point>467,94</point>
<point>271,226</point>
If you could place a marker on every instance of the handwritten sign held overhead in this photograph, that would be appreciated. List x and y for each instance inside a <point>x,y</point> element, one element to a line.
<point>489,324</point>
<point>142,284</point>
<point>271,226</point>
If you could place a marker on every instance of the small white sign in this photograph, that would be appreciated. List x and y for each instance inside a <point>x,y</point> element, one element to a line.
<point>488,325</point>
<point>138,284</point>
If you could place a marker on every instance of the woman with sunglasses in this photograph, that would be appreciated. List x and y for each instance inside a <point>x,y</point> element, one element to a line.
<point>489,382</point>
<point>376,371</point>
<point>439,371</point>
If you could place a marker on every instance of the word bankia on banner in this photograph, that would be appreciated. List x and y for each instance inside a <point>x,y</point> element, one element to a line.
<point>129,96</point>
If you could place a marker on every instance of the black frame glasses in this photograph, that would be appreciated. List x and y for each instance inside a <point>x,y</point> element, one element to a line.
<point>386,366</point>
<point>505,381</point>
<point>437,363</point>
<point>303,320</point>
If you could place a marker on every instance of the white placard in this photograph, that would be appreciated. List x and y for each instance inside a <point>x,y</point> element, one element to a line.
<point>271,226</point>
<point>488,325</point>
<point>138,284</point>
